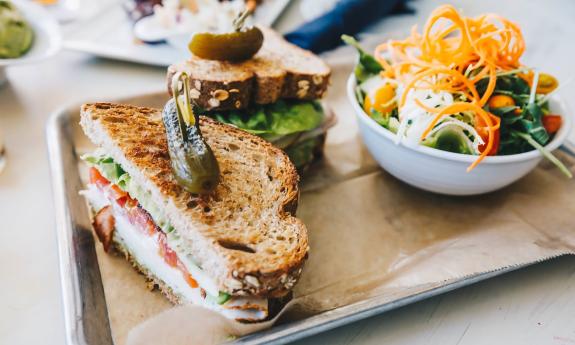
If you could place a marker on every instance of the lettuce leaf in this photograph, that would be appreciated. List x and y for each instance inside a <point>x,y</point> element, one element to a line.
<point>277,119</point>
<point>303,153</point>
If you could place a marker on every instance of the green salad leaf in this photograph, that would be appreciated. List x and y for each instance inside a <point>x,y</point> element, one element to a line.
<point>367,65</point>
<point>108,167</point>
<point>302,153</point>
<point>277,119</point>
<point>506,113</point>
<point>532,123</point>
<point>511,85</point>
<point>282,120</point>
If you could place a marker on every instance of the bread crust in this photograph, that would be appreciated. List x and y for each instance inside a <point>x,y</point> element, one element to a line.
<point>280,70</point>
<point>244,234</point>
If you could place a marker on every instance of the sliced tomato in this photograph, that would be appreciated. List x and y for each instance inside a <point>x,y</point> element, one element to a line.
<point>131,203</point>
<point>142,220</point>
<point>485,136</point>
<point>552,123</point>
<point>170,257</point>
<point>115,192</point>
<point>97,178</point>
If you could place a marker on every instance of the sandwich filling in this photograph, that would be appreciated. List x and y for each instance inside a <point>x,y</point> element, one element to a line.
<point>297,127</point>
<point>126,214</point>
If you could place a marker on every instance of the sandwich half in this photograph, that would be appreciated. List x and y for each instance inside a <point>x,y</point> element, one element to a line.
<point>238,250</point>
<point>274,95</point>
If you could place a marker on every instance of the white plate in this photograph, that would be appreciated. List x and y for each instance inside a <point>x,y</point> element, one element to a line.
<point>109,34</point>
<point>47,36</point>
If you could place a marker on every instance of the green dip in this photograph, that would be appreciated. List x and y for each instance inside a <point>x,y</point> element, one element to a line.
<point>16,35</point>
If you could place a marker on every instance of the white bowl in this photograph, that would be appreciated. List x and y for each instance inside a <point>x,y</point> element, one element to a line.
<point>445,172</point>
<point>47,36</point>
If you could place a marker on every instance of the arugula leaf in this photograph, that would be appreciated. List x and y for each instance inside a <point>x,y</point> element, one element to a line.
<point>511,85</point>
<point>544,152</point>
<point>367,65</point>
<point>532,123</point>
<point>504,111</point>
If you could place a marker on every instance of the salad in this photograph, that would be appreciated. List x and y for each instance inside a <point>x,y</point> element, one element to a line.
<point>459,86</point>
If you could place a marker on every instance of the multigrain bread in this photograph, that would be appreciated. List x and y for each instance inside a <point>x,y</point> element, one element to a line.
<point>280,70</point>
<point>244,234</point>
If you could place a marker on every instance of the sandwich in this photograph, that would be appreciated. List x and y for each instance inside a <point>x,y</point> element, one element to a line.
<point>273,94</point>
<point>237,249</point>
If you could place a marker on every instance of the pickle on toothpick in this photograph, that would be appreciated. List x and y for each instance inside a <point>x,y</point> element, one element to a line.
<point>240,44</point>
<point>193,162</point>
<point>233,46</point>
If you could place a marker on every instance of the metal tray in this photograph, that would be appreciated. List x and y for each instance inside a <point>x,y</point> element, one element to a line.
<point>85,309</point>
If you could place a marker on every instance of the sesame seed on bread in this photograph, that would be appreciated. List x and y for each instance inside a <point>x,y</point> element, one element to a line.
<point>280,70</point>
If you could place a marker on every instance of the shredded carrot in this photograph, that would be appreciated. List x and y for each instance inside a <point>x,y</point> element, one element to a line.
<point>453,53</point>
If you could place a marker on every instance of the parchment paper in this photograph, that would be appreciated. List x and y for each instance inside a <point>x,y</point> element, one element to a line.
<point>370,235</point>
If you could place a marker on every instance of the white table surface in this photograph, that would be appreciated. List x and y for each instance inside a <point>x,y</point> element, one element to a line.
<point>533,306</point>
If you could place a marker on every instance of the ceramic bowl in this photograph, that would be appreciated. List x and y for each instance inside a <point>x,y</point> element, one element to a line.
<point>445,172</point>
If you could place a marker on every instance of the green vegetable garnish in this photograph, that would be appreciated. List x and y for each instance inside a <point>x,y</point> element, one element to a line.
<point>367,65</point>
<point>222,298</point>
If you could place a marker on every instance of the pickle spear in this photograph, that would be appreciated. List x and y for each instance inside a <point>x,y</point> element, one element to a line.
<point>239,45</point>
<point>193,162</point>
<point>232,46</point>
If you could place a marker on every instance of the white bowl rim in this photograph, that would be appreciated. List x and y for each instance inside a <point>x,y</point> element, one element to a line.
<point>34,13</point>
<point>557,141</point>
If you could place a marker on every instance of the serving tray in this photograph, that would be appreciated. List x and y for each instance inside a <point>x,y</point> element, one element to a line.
<point>86,314</point>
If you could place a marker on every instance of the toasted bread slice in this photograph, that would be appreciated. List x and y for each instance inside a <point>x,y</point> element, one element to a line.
<point>279,70</point>
<point>244,234</point>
